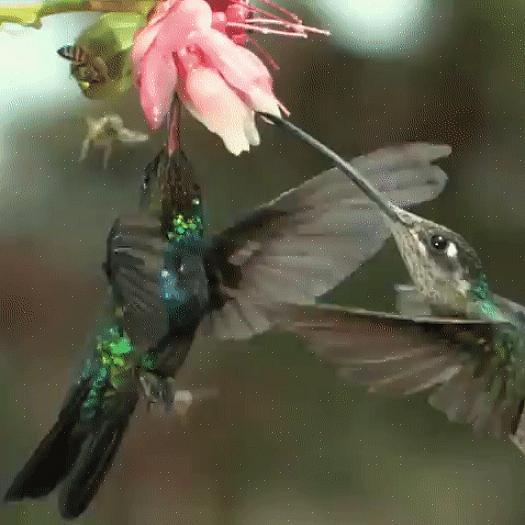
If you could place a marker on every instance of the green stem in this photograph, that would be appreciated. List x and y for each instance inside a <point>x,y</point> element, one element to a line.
<point>52,7</point>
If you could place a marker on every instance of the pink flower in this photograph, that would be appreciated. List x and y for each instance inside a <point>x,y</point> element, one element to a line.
<point>193,48</point>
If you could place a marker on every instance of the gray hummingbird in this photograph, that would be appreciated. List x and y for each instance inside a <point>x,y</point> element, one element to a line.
<point>169,281</point>
<point>452,335</point>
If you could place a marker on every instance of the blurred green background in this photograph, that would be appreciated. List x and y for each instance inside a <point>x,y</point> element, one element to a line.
<point>285,442</point>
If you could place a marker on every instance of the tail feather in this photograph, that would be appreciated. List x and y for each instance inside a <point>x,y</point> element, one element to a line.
<point>92,465</point>
<point>75,452</point>
<point>55,455</point>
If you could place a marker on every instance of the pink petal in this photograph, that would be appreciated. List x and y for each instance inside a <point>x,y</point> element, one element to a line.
<point>233,61</point>
<point>145,36</point>
<point>241,68</point>
<point>260,100</point>
<point>142,41</point>
<point>157,86</point>
<point>188,17</point>
<point>169,28</point>
<point>219,21</point>
<point>211,101</point>
<point>162,9</point>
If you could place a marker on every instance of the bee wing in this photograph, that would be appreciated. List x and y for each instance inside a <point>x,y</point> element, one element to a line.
<point>115,120</point>
<point>311,238</point>
<point>132,137</point>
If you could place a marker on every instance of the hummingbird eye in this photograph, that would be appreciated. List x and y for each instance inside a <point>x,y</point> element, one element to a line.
<point>439,243</point>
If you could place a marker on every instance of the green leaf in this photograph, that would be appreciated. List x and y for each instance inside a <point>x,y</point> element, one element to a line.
<point>31,14</point>
<point>27,15</point>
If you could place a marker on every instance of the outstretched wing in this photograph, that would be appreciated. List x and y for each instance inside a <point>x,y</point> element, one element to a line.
<point>135,259</point>
<point>466,362</point>
<point>311,238</point>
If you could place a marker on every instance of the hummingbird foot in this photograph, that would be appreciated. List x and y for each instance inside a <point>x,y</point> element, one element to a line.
<point>157,389</point>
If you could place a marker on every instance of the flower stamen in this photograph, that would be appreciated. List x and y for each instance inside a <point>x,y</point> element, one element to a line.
<point>288,25</point>
<point>272,5</point>
<point>294,23</point>
<point>266,30</point>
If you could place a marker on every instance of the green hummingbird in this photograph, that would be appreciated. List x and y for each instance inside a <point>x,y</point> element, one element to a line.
<point>452,335</point>
<point>78,450</point>
<point>169,281</point>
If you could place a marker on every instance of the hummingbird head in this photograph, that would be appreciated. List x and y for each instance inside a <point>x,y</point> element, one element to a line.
<point>168,188</point>
<point>444,267</point>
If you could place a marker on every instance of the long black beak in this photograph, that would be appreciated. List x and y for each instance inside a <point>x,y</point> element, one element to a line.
<point>389,209</point>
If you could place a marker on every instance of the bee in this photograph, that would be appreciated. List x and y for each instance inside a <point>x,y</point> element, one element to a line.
<point>105,132</point>
<point>100,56</point>
<point>85,67</point>
<point>75,54</point>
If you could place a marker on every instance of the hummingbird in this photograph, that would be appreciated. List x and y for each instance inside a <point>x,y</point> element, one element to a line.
<point>170,282</point>
<point>451,336</point>
<point>78,450</point>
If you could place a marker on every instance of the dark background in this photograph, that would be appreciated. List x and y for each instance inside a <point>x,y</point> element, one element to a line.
<point>285,442</point>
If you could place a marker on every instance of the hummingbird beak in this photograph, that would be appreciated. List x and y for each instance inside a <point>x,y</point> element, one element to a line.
<point>392,212</point>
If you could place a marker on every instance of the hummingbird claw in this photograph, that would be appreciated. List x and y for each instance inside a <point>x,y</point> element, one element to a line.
<point>147,391</point>
<point>157,389</point>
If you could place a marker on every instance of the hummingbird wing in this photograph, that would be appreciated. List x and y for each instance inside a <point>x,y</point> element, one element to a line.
<point>304,243</point>
<point>135,258</point>
<point>410,302</point>
<point>517,313</point>
<point>463,360</point>
<point>515,310</point>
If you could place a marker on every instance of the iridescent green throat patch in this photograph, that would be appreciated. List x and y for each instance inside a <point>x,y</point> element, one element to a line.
<point>185,227</point>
